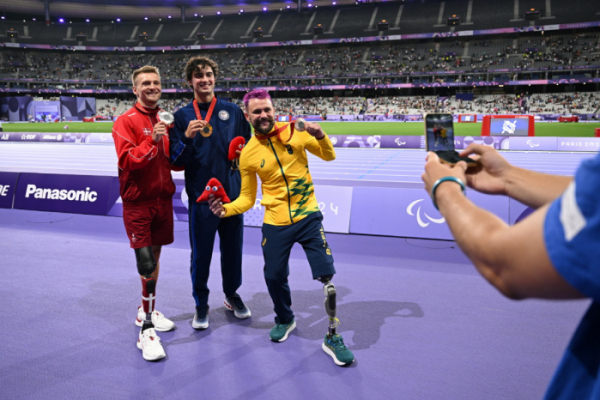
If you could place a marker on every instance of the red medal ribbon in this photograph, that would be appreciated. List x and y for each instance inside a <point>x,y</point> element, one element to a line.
<point>276,132</point>
<point>210,110</point>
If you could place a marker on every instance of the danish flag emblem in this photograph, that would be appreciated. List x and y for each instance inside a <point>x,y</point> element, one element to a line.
<point>147,131</point>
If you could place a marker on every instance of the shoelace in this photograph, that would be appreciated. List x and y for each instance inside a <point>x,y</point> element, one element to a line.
<point>155,341</point>
<point>339,343</point>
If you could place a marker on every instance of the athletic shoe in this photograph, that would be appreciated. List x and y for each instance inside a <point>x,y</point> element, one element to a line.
<point>200,321</point>
<point>335,347</point>
<point>149,343</point>
<point>280,332</point>
<point>160,322</point>
<point>235,304</point>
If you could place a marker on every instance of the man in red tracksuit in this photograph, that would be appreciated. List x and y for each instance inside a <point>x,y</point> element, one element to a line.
<point>147,189</point>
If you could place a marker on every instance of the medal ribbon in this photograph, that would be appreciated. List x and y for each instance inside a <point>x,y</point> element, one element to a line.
<point>210,110</point>
<point>277,131</point>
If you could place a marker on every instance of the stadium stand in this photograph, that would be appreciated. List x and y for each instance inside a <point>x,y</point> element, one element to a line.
<point>436,61</point>
<point>289,25</point>
<point>553,50</point>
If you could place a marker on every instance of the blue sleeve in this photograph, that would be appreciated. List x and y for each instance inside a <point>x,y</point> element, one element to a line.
<point>181,148</point>
<point>572,230</point>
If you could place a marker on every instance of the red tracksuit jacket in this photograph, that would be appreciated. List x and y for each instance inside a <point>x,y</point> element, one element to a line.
<point>144,168</point>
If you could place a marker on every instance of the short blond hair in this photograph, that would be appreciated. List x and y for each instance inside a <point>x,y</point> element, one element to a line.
<point>144,70</point>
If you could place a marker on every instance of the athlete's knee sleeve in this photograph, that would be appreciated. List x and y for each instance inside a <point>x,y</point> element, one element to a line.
<point>146,264</point>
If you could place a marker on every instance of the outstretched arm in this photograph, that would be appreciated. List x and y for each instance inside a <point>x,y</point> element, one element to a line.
<point>514,259</point>
<point>243,203</point>
<point>498,176</point>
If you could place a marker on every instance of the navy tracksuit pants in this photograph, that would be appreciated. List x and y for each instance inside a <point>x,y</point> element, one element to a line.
<point>277,244</point>
<point>203,227</point>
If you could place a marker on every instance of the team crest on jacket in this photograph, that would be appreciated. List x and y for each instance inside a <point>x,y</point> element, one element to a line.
<point>223,115</point>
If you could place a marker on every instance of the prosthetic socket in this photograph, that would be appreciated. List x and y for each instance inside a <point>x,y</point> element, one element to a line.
<point>330,302</point>
<point>146,265</point>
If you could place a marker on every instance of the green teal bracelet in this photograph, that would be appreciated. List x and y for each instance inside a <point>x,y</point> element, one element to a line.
<point>445,179</point>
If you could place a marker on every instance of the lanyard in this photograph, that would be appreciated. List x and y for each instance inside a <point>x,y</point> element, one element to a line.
<point>277,131</point>
<point>210,109</point>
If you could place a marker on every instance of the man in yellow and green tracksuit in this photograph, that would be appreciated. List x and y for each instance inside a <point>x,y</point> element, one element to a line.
<point>292,215</point>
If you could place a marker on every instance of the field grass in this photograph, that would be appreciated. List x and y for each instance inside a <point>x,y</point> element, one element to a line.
<point>96,127</point>
<point>338,128</point>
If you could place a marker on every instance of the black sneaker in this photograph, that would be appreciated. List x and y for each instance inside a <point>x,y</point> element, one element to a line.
<point>235,304</point>
<point>200,320</point>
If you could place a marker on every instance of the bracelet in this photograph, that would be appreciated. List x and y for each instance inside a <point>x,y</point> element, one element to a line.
<point>445,179</point>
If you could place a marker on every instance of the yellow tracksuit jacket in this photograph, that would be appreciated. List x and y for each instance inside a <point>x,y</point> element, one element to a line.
<point>287,187</point>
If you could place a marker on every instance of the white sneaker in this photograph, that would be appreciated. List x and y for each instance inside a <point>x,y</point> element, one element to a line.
<point>160,322</point>
<point>149,343</point>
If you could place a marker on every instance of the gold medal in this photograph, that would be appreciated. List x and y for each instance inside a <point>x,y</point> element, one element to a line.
<point>206,131</point>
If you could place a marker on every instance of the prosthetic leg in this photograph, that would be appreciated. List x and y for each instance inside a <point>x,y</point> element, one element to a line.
<point>146,265</point>
<point>330,302</point>
<point>333,344</point>
<point>148,342</point>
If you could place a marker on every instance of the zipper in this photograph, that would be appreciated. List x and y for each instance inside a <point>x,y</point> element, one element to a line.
<point>285,180</point>
<point>158,163</point>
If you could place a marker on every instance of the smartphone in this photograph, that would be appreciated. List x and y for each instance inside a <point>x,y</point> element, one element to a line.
<point>439,138</point>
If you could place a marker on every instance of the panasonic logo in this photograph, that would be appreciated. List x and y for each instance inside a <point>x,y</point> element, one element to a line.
<point>56,194</point>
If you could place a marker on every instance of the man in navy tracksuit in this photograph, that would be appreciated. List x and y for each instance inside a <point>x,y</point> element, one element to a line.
<point>200,141</point>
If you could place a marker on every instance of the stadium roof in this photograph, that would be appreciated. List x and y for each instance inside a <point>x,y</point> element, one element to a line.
<point>132,9</point>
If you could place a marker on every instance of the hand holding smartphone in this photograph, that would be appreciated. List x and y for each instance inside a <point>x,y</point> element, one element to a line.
<point>439,138</point>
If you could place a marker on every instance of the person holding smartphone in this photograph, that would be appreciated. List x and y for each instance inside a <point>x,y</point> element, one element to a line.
<point>552,254</point>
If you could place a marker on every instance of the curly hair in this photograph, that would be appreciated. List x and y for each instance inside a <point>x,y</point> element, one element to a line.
<point>199,63</point>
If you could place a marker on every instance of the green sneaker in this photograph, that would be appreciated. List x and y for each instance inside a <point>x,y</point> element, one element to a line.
<point>280,332</point>
<point>335,347</point>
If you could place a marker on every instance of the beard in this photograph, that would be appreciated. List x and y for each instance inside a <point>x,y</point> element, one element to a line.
<point>263,131</point>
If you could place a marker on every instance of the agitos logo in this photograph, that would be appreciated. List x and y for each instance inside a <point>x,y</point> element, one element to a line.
<point>56,194</point>
<point>422,224</point>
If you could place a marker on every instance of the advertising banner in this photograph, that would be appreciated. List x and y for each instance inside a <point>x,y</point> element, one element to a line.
<point>14,108</point>
<point>8,181</point>
<point>78,194</point>
<point>335,203</point>
<point>578,144</point>
<point>540,143</point>
<point>402,142</point>
<point>355,141</point>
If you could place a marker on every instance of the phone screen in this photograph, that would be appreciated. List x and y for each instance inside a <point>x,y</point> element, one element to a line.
<point>440,132</point>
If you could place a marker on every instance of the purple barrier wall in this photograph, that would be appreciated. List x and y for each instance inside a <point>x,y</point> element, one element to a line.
<point>539,143</point>
<point>402,142</point>
<point>8,181</point>
<point>335,203</point>
<point>398,212</point>
<point>578,144</point>
<point>409,212</point>
<point>517,211</point>
<point>79,194</point>
<point>355,141</point>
